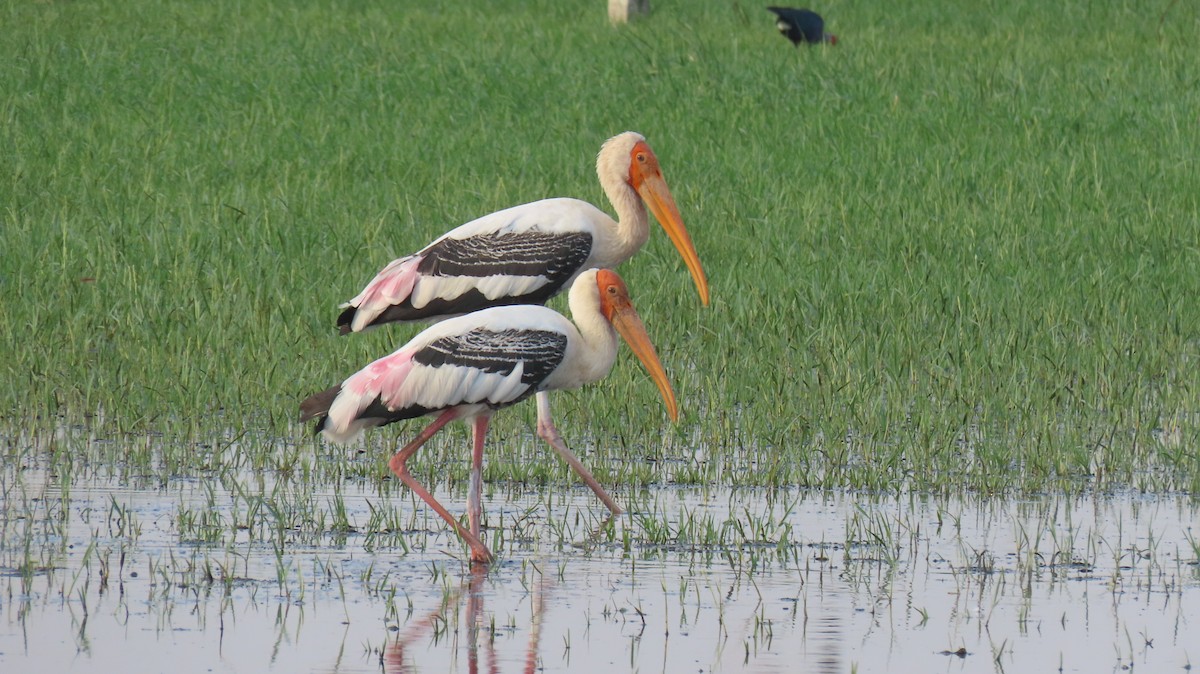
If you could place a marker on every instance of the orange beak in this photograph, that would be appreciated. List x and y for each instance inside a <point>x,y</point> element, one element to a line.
<point>647,178</point>
<point>618,309</point>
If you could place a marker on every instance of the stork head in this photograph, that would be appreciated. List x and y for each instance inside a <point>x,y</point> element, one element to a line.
<point>628,157</point>
<point>618,309</point>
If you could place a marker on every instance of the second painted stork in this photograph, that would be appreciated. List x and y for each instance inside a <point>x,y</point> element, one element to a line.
<point>468,367</point>
<point>529,253</point>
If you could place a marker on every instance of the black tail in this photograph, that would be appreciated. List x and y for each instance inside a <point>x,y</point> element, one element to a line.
<point>317,405</point>
<point>344,320</point>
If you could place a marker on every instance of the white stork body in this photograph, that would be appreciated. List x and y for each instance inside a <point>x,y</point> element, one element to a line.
<point>474,364</point>
<point>521,255</point>
<point>470,366</point>
<point>529,253</point>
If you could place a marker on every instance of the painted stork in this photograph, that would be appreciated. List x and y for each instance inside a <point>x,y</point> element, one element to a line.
<point>802,26</point>
<point>529,253</point>
<point>469,366</point>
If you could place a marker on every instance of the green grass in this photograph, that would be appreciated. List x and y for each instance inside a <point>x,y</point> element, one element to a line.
<point>959,250</point>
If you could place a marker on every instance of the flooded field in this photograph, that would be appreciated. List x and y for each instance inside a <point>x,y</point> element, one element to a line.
<point>101,578</point>
<point>955,254</point>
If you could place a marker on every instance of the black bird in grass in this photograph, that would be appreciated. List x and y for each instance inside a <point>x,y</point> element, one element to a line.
<point>802,25</point>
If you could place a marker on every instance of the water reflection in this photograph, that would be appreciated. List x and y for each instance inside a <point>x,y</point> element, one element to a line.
<point>702,580</point>
<point>829,638</point>
<point>472,588</point>
<point>665,617</point>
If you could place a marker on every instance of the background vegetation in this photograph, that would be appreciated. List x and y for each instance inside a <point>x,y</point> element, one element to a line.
<point>959,250</point>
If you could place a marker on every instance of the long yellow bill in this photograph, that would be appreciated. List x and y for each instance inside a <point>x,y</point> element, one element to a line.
<point>618,309</point>
<point>648,180</point>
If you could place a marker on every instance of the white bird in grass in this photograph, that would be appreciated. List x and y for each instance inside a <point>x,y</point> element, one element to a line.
<point>529,253</point>
<point>470,366</point>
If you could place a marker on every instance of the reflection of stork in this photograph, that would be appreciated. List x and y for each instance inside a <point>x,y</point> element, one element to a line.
<point>393,656</point>
<point>470,366</point>
<point>802,25</point>
<point>529,253</point>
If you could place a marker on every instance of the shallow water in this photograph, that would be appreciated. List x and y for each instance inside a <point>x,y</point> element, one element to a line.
<point>762,581</point>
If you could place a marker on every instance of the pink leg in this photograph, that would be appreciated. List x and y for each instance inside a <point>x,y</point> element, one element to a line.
<point>547,432</point>
<point>479,551</point>
<point>475,491</point>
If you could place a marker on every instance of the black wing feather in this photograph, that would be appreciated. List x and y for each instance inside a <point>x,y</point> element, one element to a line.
<point>555,256</point>
<point>499,352</point>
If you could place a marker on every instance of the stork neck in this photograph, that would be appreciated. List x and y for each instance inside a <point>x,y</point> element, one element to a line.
<point>599,340</point>
<point>633,224</point>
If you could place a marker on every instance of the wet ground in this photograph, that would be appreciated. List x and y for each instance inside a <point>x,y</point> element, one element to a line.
<point>100,579</point>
